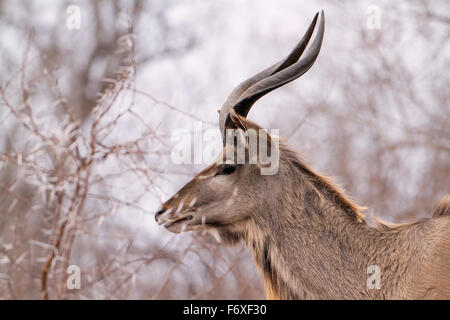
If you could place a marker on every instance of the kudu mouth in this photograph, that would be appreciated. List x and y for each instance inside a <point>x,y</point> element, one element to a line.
<point>180,220</point>
<point>175,223</point>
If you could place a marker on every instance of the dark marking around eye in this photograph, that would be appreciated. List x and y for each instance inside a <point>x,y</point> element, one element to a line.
<point>227,170</point>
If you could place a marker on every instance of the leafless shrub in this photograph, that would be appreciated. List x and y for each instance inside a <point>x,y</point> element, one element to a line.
<point>67,185</point>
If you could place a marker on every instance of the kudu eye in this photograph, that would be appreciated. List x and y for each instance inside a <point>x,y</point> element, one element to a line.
<point>226,170</point>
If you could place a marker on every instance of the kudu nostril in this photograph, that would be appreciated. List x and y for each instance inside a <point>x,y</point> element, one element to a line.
<point>158,213</point>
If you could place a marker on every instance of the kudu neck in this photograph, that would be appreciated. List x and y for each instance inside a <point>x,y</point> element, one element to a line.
<point>312,239</point>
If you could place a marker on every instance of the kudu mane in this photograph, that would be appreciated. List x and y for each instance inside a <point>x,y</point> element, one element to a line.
<point>325,186</point>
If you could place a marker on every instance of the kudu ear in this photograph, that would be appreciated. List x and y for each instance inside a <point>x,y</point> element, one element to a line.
<point>260,145</point>
<point>242,122</point>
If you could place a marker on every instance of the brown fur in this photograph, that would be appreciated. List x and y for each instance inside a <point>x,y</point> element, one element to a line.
<point>321,247</point>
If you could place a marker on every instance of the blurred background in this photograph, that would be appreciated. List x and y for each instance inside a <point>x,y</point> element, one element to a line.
<point>91,93</point>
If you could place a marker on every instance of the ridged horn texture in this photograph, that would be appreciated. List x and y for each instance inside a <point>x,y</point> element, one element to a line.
<point>290,68</point>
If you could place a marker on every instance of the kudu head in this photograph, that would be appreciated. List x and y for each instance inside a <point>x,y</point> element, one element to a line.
<point>227,193</point>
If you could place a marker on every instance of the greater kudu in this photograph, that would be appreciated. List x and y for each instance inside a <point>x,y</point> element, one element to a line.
<point>308,238</point>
